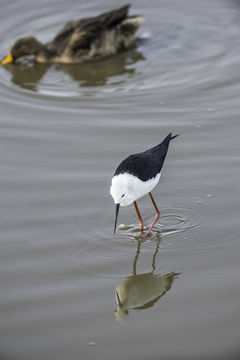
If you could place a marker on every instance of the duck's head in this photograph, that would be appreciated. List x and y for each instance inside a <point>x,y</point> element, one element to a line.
<point>22,47</point>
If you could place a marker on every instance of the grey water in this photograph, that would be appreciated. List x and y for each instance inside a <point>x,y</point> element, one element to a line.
<point>69,288</point>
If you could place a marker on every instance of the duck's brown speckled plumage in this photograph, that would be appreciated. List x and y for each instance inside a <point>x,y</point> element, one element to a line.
<point>85,39</point>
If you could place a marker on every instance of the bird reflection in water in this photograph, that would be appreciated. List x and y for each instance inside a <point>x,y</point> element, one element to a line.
<point>28,74</point>
<point>141,291</point>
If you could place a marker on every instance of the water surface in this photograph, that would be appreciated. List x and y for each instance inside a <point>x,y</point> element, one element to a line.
<point>64,129</point>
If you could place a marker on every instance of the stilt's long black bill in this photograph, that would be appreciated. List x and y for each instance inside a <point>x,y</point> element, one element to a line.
<point>117,210</point>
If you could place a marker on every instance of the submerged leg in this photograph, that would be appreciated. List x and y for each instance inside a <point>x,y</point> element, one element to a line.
<point>136,258</point>
<point>156,216</point>
<point>154,255</point>
<point>139,215</point>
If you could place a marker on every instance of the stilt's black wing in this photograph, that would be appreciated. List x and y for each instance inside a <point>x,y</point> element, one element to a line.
<point>148,164</point>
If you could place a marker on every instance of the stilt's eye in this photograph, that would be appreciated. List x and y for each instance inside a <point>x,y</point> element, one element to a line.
<point>122,195</point>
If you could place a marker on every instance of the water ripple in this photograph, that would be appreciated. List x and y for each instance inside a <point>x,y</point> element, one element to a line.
<point>99,252</point>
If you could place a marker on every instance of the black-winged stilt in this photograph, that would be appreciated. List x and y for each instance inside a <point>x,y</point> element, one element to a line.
<point>136,176</point>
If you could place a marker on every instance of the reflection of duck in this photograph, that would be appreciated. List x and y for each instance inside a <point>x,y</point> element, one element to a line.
<point>27,77</point>
<point>82,40</point>
<point>98,73</point>
<point>95,74</point>
<point>141,291</point>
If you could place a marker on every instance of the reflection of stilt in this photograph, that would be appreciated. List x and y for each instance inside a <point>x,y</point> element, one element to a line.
<point>155,254</point>
<point>141,291</point>
<point>136,258</point>
<point>138,253</point>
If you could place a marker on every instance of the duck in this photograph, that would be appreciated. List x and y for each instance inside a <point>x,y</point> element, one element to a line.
<point>82,40</point>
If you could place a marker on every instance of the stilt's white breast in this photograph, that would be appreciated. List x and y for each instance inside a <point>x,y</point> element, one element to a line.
<point>140,188</point>
<point>127,188</point>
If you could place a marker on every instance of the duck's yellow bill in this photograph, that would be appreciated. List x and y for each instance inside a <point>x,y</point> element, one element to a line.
<point>8,59</point>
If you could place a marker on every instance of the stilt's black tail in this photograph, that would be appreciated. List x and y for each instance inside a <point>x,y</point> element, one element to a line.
<point>164,145</point>
<point>159,152</point>
<point>173,137</point>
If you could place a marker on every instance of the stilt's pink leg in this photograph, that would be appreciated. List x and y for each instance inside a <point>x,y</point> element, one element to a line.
<point>156,216</point>
<point>139,215</point>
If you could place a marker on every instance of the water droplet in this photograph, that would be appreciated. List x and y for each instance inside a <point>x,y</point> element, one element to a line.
<point>91,344</point>
<point>211,109</point>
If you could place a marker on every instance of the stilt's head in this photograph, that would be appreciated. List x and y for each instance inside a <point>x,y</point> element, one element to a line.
<point>121,190</point>
<point>121,193</point>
